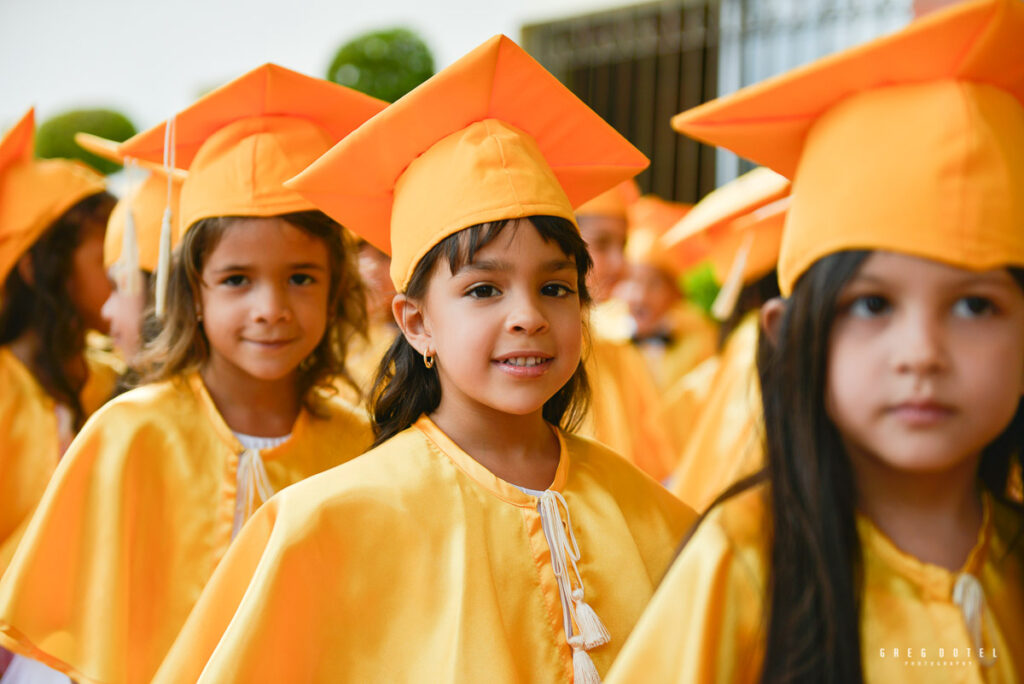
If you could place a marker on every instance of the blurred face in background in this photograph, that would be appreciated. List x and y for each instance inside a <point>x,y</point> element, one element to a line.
<point>606,241</point>
<point>374,269</point>
<point>650,294</point>
<point>88,286</point>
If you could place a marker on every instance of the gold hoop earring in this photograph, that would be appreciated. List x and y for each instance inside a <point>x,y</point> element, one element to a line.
<point>428,360</point>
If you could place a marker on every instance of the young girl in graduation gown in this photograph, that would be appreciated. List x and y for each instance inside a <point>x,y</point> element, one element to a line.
<point>480,540</point>
<point>52,218</point>
<point>261,300</point>
<point>882,545</point>
<point>131,248</point>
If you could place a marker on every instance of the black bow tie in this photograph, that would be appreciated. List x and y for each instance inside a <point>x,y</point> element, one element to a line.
<point>662,338</point>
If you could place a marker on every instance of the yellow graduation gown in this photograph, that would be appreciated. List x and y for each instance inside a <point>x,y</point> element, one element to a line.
<point>705,624</point>
<point>415,563</point>
<point>138,514</point>
<point>624,412</point>
<point>725,440</point>
<point>32,439</point>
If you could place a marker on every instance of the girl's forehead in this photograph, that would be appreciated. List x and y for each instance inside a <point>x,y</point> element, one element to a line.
<point>888,266</point>
<point>267,240</point>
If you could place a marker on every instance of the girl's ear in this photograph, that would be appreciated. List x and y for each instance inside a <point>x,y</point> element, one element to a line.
<point>771,318</point>
<point>26,270</point>
<point>410,319</point>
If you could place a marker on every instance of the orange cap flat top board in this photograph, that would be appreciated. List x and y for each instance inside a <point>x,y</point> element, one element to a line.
<point>615,202</point>
<point>912,143</point>
<point>241,141</point>
<point>494,136</point>
<point>145,200</point>
<point>35,192</point>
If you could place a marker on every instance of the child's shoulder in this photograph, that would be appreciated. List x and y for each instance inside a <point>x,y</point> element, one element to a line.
<point>397,468</point>
<point>736,531</point>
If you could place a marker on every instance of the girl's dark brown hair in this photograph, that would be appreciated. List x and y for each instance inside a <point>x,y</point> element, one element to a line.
<point>814,569</point>
<point>44,305</point>
<point>405,389</point>
<point>751,298</point>
<point>181,345</point>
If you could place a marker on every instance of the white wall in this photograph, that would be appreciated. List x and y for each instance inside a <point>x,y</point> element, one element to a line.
<point>151,58</point>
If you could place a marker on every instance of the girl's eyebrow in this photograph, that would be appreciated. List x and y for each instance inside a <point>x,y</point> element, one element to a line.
<point>495,265</point>
<point>299,266</point>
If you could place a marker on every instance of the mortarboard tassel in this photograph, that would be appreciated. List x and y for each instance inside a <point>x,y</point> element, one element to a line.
<point>163,267</point>
<point>725,302</point>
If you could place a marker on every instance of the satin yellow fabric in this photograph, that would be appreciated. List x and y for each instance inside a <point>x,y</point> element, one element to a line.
<point>415,563</point>
<point>138,514</point>
<point>625,410</point>
<point>724,442</point>
<point>705,624</point>
<point>31,441</point>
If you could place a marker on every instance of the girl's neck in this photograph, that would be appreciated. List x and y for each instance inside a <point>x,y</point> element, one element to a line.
<point>522,450</point>
<point>935,517</point>
<point>250,405</point>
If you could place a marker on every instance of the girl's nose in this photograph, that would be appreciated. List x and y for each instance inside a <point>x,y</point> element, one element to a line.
<point>920,345</point>
<point>526,316</point>
<point>271,305</point>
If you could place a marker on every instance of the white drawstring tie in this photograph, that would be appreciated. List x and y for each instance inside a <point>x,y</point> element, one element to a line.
<point>970,596</point>
<point>565,553</point>
<point>254,487</point>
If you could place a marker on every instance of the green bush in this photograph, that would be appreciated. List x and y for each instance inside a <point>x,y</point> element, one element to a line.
<point>384,64</point>
<point>55,137</point>
<point>700,286</point>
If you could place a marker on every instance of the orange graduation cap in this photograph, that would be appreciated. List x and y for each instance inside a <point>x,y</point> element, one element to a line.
<point>739,228</point>
<point>35,192</point>
<point>244,139</point>
<point>650,218</point>
<point>493,136</point>
<point>912,143</point>
<point>271,119</point>
<point>614,202</point>
<point>133,230</point>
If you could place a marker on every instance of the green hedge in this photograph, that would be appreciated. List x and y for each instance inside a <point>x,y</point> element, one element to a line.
<point>384,64</point>
<point>55,137</point>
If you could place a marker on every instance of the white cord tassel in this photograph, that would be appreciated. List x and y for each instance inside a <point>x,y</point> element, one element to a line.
<point>576,613</point>
<point>725,302</point>
<point>583,670</point>
<point>592,630</point>
<point>970,596</point>
<point>254,487</point>
<point>163,266</point>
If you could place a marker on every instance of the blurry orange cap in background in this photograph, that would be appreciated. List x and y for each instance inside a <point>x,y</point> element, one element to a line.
<point>615,202</point>
<point>650,218</point>
<point>145,200</point>
<point>494,136</point>
<point>912,143</point>
<point>35,192</point>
